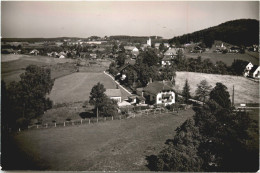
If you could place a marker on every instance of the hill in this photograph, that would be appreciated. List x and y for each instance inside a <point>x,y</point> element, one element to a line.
<point>237,32</point>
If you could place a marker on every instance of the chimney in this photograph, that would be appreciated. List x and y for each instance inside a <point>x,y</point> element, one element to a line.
<point>142,94</point>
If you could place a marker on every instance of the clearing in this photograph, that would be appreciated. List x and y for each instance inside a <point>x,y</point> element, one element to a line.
<point>246,91</point>
<point>77,86</point>
<point>118,145</point>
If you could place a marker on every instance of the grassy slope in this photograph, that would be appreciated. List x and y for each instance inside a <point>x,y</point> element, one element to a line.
<point>77,87</point>
<point>246,91</point>
<point>11,70</point>
<point>112,145</point>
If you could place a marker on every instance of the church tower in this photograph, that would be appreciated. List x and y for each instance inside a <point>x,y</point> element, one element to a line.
<point>149,42</point>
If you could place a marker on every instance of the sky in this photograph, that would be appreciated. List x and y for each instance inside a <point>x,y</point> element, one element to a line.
<point>28,19</point>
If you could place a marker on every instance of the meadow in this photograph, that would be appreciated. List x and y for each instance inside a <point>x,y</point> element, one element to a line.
<point>246,91</point>
<point>228,58</point>
<point>77,87</point>
<point>119,145</point>
<point>12,66</point>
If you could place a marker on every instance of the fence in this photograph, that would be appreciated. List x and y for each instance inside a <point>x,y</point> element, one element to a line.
<point>88,121</point>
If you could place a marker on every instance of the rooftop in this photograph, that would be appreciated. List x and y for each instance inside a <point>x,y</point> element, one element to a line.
<point>171,51</point>
<point>254,68</point>
<point>158,86</point>
<point>113,92</point>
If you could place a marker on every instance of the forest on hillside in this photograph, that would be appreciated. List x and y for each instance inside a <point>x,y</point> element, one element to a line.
<point>242,32</point>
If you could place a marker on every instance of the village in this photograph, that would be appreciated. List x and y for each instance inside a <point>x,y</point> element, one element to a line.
<point>124,56</point>
<point>130,86</point>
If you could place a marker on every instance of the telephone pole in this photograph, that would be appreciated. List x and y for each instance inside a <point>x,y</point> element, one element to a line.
<point>233,95</point>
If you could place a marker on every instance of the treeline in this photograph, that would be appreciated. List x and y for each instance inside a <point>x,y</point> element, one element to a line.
<point>33,40</point>
<point>243,32</point>
<point>135,39</point>
<point>207,66</point>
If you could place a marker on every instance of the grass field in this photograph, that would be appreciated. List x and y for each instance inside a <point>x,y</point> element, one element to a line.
<point>118,145</point>
<point>77,87</point>
<point>246,91</point>
<point>14,65</point>
<point>226,58</point>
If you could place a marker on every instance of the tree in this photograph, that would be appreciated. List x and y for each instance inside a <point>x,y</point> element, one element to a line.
<point>112,68</point>
<point>203,90</point>
<point>213,140</point>
<point>220,95</point>
<point>149,57</point>
<point>168,73</point>
<point>238,66</point>
<point>186,91</point>
<point>27,98</point>
<point>109,107</point>
<point>181,154</point>
<point>121,59</point>
<point>97,96</point>
<point>161,47</point>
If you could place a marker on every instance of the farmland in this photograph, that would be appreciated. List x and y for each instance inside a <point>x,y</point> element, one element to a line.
<point>246,91</point>
<point>226,58</point>
<point>13,65</point>
<point>77,87</point>
<point>117,145</point>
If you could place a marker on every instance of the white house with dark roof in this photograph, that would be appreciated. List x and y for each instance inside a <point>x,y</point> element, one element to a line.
<point>167,60</point>
<point>159,92</point>
<point>114,94</point>
<point>255,72</point>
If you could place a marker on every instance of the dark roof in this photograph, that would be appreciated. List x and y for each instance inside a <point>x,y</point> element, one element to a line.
<point>158,86</point>
<point>126,65</point>
<point>254,68</point>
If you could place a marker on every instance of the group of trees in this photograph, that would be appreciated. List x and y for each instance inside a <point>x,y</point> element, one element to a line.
<point>207,66</point>
<point>147,68</point>
<point>216,138</point>
<point>26,99</point>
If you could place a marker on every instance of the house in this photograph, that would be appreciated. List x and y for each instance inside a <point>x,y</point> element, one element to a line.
<point>248,67</point>
<point>125,70</point>
<point>166,45</point>
<point>167,60</point>
<point>62,56</point>
<point>171,52</point>
<point>34,52</point>
<point>159,92</point>
<point>234,49</point>
<point>135,99</point>
<point>114,94</point>
<point>157,45</point>
<point>93,55</point>
<point>255,71</point>
<point>132,50</point>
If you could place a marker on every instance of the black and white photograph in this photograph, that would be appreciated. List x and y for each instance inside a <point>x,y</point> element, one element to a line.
<point>111,86</point>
